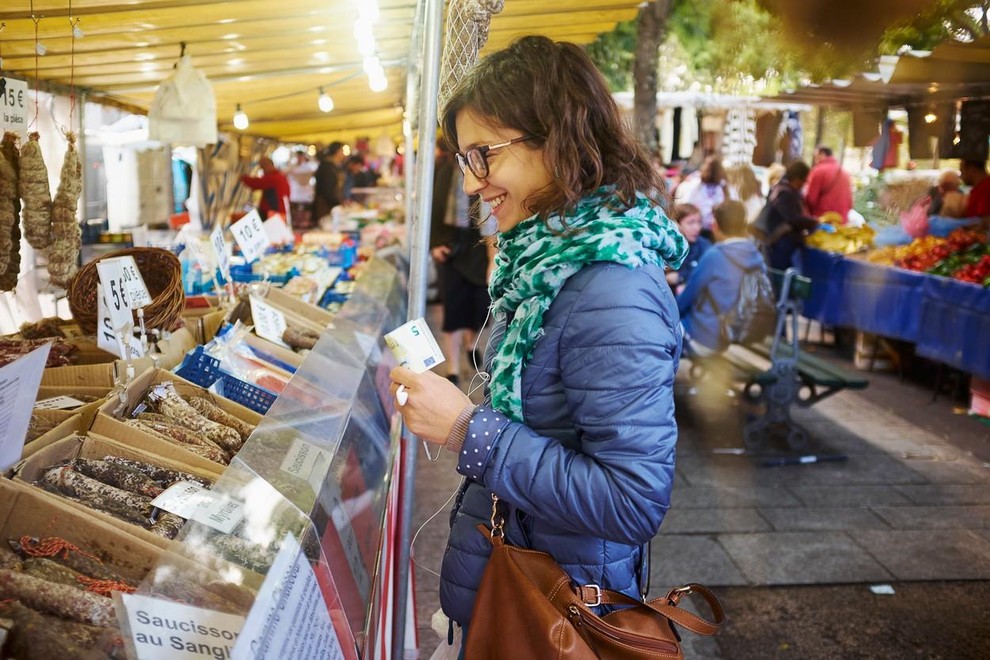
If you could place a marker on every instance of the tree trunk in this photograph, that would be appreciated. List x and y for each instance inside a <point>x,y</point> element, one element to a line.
<point>651,29</point>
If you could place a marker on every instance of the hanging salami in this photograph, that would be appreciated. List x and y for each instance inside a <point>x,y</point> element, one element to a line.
<point>8,275</point>
<point>35,194</point>
<point>63,259</point>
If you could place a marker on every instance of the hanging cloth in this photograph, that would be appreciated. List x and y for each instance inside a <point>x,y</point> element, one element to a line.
<point>184,110</point>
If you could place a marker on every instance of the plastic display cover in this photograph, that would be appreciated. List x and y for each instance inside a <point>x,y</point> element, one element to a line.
<point>314,478</point>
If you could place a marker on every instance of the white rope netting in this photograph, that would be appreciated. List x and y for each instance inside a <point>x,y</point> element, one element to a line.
<point>465,35</point>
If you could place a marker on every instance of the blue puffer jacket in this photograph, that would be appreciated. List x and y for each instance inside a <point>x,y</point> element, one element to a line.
<point>587,478</point>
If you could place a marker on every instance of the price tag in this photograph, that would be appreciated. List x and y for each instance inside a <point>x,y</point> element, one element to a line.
<point>220,249</point>
<point>118,306</point>
<point>19,382</point>
<point>307,462</point>
<point>58,403</point>
<point>165,630</point>
<point>137,292</point>
<point>289,618</point>
<point>250,236</point>
<point>193,502</point>
<point>278,232</point>
<point>110,339</point>
<point>269,323</point>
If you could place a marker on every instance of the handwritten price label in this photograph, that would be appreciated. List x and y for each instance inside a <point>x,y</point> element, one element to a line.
<point>249,233</point>
<point>133,283</point>
<point>118,305</point>
<point>220,249</point>
<point>269,323</point>
<point>112,339</point>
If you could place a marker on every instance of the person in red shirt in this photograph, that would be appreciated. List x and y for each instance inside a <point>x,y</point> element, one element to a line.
<point>829,187</point>
<point>974,173</point>
<point>274,187</point>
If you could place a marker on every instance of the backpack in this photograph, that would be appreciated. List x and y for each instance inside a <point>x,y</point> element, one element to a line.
<point>753,316</point>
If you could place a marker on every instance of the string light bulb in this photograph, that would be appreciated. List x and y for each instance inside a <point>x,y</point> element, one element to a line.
<point>930,117</point>
<point>325,102</point>
<point>240,119</point>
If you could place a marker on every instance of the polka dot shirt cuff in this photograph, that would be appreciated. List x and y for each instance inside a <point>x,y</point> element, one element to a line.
<point>483,429</point>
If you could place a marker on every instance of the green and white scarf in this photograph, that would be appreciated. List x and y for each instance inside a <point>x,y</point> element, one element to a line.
<point>534,262</point>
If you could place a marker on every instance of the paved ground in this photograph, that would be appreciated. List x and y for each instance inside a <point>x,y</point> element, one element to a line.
<point>794,550</point>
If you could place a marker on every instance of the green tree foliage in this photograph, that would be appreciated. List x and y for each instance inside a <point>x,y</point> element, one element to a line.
<point>944,20</point>
<point>613,52</point>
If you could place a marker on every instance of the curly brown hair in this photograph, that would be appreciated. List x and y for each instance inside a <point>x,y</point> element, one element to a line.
<point>552,91</point>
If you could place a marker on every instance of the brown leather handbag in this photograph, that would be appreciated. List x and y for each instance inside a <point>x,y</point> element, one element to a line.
<point>527,607</point>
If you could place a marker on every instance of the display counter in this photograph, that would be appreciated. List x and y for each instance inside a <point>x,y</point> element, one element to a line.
<point>948,320</point>
<point>290,560</point>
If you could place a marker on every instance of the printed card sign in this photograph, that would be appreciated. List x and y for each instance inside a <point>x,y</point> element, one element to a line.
<point>249,233</point>
<point>278,232</point>
<point>19,382</point>
<point>61,402</point>
<point>165,630</point>
<point>289,618</point>
<point>269,323</point>
<point>193,502</point>
<point>14,104</point>
<point>306,461</point>
<point>220,249</point>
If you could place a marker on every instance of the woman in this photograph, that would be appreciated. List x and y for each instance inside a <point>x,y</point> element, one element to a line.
<point>712,191</point>
<point>576,436</point>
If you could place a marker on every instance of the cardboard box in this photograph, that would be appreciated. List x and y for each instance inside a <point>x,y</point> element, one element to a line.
<point>90,375</point>
<point>67,423</point>
<point>204,324</point>
<point>108,420</point>
<point>25,511</point>
<point>94,446</point>
<point>87,411</point>
<point>312,313</point>
<point>280,353</point>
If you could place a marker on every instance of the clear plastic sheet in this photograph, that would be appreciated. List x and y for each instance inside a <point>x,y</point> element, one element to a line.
<point>317,470</point>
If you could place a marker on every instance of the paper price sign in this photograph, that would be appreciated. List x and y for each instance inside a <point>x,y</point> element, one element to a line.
<point>133,283</point>
<point>220,249</point>
<point>269,323</point>
<point>191,501</point>
<point>118,306</point>
<point>250,236</point>
<point>111,339</point>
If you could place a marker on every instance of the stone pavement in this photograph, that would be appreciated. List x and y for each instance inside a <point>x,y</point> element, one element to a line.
<point>908,503</point>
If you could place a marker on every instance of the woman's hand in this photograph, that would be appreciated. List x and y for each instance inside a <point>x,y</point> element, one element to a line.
<point>433,403</point>
<point>440,253</point>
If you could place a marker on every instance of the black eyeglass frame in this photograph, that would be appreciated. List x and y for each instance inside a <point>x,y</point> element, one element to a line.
<point>464,160</point>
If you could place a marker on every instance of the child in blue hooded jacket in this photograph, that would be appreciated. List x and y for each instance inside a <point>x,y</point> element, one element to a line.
<point>714,286</point>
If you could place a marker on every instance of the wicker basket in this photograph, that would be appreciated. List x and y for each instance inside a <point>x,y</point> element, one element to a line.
<point>162,274</point>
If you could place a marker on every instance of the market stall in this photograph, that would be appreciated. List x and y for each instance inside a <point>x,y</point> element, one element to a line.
<point>947,320</point>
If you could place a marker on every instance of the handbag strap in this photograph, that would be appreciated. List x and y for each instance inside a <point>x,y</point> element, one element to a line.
<point>666,606</point>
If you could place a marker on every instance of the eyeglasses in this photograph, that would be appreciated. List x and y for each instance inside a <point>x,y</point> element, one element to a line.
<point>476,159</point>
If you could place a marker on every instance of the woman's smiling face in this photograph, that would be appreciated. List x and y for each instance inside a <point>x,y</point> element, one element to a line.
<point>515,172</point>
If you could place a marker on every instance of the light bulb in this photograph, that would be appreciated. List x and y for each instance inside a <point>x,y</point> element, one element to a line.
<point>378,83</point>
<point>930,118</point>
<point>325,102</point>
<point>240,119</point>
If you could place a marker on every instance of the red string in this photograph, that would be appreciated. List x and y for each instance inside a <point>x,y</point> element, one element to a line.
<point>104,587</point>
<point>50,547</point>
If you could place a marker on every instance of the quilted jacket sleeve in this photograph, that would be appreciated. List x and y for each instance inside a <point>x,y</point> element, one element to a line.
<point>618,353</point>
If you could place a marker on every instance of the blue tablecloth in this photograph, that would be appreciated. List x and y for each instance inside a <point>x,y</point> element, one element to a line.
<point>949,321</point>
<point>955,325</point>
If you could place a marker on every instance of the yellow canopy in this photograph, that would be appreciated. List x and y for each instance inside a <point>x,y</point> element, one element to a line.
<point>270,57</point>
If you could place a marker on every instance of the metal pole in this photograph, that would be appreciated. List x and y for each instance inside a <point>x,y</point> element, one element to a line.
<point>410,118</point>
<point>419,239</point>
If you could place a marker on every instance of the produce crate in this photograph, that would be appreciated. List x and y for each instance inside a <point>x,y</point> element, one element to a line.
<point>204,370</point>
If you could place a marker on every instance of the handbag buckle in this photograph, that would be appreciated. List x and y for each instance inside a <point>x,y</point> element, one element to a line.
<point>598,594</point>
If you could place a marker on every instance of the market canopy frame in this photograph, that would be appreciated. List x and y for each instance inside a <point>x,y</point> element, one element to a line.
<point>271,58</point>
